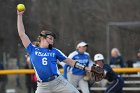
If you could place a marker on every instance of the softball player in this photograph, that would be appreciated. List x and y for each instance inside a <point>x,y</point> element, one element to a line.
<point>116,81</point>
<point>44,59</point>
<point>76,76</point>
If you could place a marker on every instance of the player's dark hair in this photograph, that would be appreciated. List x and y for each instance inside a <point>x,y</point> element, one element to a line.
<point>100,60</point>
<point>44,33</point>
<point>36,43</point>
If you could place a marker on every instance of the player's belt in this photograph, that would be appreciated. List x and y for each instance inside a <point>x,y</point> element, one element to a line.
<point>49,79</point>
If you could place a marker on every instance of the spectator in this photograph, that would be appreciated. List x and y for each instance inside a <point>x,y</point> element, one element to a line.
<point>131,62</point>
<point>136,63</point>
<point>30,79</point>
<point>3,80</point>
<point>76,76</point>
<point>116,81</point>
<point>116,58</point>
<point>138,56</point>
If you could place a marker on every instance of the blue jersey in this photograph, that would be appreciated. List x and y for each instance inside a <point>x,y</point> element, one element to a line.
<point>83,58</point>
<point>44,61</point>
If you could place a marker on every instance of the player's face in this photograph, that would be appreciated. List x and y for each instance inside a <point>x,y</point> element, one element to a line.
<point>100,63</point>
<point>50,39</point>
<point>138,55</point>
<point>82,49</point>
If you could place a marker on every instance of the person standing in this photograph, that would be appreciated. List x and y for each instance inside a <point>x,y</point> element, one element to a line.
<point>76,76</point>
<point>44,59</point>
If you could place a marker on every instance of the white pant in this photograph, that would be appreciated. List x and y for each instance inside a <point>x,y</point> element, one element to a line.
<point>77,80</point>
<point>59,85</point>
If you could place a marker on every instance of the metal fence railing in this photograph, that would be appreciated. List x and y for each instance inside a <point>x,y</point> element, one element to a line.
<point>31,71</point>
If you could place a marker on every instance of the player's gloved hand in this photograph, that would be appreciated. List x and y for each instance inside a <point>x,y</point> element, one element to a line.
<point>97,73</point>
<point>96,76</point>
<point>97,69</point>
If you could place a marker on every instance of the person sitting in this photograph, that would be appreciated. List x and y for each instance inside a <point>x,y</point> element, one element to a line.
<point>116,58</point>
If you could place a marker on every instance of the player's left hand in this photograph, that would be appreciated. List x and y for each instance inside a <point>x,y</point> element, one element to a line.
<point>97,69</point>
<point>96,76</point>
<point>97,73</point>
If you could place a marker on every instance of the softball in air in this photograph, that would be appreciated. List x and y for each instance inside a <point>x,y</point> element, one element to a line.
<point>20,7</point>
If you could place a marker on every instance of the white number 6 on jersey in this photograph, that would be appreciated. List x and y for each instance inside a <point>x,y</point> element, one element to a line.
<point>44,61</point>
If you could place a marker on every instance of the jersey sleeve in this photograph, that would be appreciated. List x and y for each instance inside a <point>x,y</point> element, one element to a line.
<point>90,61</point>
<point>107,69</point>
<point>71,55</point>
<point>60,56</point>
<point>30,48</point>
